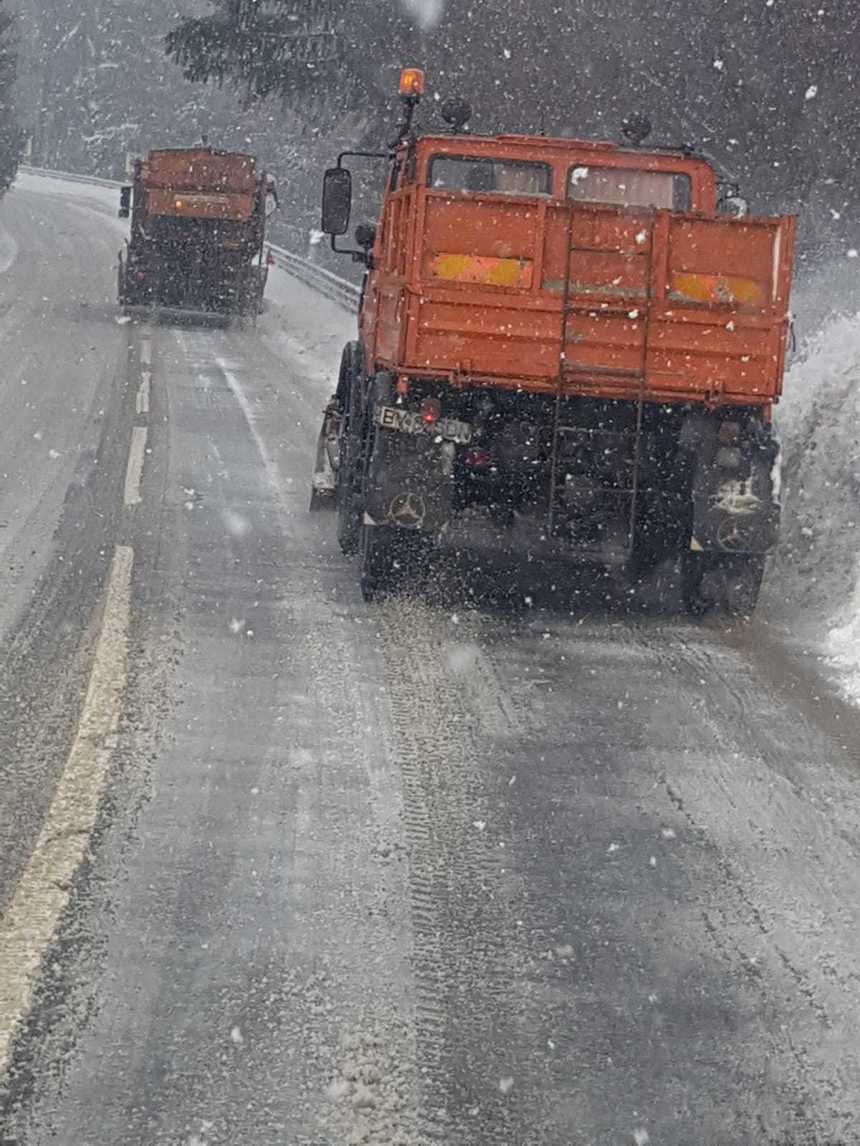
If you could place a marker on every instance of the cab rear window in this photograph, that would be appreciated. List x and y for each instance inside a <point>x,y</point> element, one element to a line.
<point>491,176</point>
<point>630,188</point>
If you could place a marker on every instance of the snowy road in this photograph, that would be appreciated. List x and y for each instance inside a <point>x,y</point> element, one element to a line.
<point>416,872</point>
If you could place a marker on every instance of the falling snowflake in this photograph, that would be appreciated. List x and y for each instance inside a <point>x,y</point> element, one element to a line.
<point>235,524</point>
<point>338,1089</point>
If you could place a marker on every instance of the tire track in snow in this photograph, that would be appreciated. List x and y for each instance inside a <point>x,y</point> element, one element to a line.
<point>465,954</point>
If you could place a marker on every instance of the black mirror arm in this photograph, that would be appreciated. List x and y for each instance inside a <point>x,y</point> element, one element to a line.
<point>357,256</point>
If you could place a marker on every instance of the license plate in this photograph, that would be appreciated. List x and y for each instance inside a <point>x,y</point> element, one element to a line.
<point>409,422</point>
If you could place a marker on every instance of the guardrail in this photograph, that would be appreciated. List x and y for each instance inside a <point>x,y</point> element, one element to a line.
<point>318,278</point>
<point>331,286</point>
<point>68,177</point>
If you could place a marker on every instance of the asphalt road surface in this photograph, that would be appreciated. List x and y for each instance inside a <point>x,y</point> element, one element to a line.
<point>279,867</point>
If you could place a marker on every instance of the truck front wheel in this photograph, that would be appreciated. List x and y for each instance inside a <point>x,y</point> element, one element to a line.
<point>348,504</point>
<point>350,455</point>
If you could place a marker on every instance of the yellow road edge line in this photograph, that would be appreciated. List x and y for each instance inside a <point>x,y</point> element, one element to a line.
<point>30,923</point>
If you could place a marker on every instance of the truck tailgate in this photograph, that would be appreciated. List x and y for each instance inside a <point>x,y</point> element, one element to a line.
<point>611,301</point>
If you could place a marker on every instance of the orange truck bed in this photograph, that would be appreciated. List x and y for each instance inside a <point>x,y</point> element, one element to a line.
<point>536,293</point>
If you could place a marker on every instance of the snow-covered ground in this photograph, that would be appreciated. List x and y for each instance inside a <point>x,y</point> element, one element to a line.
<point>104,200</point>
<point>815,584</point>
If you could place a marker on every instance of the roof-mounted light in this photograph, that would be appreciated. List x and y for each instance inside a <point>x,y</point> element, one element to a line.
<point>412,83</point>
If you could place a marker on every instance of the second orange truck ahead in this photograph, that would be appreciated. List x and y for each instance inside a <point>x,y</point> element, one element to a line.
<point>565,348</point>
<point>198,223</point>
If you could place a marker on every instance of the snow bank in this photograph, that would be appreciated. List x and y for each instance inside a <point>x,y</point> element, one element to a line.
<point>102,200</point>
<point>843,645</point>
<point>815,585</point>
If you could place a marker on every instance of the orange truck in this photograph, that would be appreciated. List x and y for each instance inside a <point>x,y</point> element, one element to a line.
<point>567,349</point>
<point>198,225</point>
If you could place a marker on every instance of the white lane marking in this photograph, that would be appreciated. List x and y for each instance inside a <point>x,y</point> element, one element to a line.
<point>143,393</point>
<point>8,250</point>
<point>134,473</point>
<point>146,352</point>
<point>241,397</point>
<point>30,923</point>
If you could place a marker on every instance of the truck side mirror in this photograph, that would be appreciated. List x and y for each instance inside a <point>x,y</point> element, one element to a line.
<point>337,201</point>
<point>125,202</point>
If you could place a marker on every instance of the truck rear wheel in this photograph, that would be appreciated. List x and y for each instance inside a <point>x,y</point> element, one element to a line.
<point>391,557</point>
<point>692,575</point>
<point>349,470</point>
<point>729,582</point>
<point>377,561</point>
<point>742,576</point>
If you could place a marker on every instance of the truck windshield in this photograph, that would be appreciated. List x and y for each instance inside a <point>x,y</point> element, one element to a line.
<point>495,176</point>
<point>630,188</point>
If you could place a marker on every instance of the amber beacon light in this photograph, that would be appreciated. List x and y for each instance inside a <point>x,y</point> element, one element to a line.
<point>412,83</point>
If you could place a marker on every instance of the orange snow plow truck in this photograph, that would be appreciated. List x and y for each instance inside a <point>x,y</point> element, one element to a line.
<point>566,349</point>
<point>198,223</point>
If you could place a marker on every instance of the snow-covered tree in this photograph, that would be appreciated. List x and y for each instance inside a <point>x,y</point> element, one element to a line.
<point>263,47</point>
<point>11,137</point>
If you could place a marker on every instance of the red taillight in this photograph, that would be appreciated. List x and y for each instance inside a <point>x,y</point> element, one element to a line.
<point>478,459</point>
<point>431,411</point>
<point>729,433</point>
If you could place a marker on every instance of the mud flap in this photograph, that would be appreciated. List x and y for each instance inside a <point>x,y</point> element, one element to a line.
<point>410,481</point>
<point>735,515</point>
<point>735,509</point>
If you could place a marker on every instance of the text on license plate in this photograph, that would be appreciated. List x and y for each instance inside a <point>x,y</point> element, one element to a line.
<point>409,422</point>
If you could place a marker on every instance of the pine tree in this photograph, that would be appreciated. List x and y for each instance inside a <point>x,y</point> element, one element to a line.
<point>261,47</point>
<point>11,137</point>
